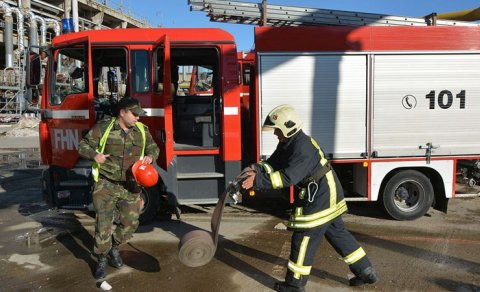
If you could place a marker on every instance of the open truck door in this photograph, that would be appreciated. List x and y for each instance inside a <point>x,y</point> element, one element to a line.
<point>67,115</point>
<point>164,89</point>
<point>67,107</point>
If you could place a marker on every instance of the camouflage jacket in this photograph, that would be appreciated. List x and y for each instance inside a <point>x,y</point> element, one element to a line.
<point>124,148</point>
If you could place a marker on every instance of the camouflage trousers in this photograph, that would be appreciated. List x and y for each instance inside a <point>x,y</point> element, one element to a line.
<point>117,211</point>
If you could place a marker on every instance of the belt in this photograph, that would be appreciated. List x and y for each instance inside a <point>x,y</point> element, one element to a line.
<point>316,176</point>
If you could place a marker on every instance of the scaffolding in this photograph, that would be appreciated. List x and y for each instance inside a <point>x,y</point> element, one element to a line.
<point>39,19</point>
<point>12,91</point>
<point>281,15</point>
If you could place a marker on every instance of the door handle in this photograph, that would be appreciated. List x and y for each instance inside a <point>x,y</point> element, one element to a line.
<point>215,132</point>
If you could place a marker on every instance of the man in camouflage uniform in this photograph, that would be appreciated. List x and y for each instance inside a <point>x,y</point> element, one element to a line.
<point>114,145</point>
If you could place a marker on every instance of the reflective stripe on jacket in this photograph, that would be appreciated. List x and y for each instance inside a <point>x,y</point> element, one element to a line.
<point>297,158</point>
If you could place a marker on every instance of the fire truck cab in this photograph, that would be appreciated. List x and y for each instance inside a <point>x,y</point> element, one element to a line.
<point>187,82</point>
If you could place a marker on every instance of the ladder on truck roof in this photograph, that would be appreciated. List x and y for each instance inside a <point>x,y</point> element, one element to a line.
<point>281,15</point>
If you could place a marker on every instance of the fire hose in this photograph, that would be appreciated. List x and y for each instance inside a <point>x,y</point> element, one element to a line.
<point>197,247</point>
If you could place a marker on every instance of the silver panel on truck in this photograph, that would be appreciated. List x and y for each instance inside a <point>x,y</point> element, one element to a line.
<point>329,92</point>
<point>428,98</point>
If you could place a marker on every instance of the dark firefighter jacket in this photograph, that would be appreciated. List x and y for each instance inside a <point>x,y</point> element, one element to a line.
<point>297,161</point>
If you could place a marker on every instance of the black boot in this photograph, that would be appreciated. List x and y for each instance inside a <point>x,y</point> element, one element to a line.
<point>114,258</point>
<point>367,276</point>
<point>285,287</point>
<point>101,270</point>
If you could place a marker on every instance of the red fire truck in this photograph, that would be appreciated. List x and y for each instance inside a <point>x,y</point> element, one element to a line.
<point>393,107</point>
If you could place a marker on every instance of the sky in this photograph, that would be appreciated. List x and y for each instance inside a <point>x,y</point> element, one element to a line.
<point>176,13</point>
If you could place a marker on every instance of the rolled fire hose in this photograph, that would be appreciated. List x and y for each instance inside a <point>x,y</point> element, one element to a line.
<point>197,247</point>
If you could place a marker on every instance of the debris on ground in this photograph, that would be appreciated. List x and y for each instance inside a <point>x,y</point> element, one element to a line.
<point>26,127</point>
<point>280,226</point>
<point>105,286</point>
<point>9,118</point>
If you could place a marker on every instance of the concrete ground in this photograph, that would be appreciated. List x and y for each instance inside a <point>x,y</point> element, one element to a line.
<point>42,249</point>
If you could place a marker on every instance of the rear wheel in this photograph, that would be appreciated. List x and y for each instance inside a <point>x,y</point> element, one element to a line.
<point>408,195</point>
<point>150,204</point>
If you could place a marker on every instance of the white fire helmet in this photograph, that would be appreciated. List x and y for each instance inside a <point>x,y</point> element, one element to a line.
<point>285,118</point>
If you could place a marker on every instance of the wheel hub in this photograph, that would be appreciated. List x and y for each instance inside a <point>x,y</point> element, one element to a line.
<point>407,196</point>
<point>401,194</point>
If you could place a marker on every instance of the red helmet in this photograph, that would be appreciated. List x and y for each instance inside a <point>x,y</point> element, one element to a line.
<point>145,174</point>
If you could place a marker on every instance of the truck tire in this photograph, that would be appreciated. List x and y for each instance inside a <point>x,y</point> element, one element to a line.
<point>408,195</point>
<point>151,204</point>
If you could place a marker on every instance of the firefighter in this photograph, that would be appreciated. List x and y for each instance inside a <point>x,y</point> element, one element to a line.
<point>319,202</point>
<point>115,145</point>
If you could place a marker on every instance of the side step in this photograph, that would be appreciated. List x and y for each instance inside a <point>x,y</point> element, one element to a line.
<point>199,175</point>
<point>357,199</point>
<point>199,187</point>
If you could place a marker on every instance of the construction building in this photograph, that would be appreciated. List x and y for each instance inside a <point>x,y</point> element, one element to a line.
<point>37,22</point>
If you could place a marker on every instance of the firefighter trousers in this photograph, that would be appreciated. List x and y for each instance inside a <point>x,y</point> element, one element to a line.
<point>305,243</point>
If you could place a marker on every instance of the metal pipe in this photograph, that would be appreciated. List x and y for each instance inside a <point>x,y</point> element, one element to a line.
<point>75,14</point>
<point>8,34</point>
<point>20,29</point>
<point>56,25</point>
<point>25,5</point>
<point>67,8</point>
<point>33,29</point>
<point>43,30</point>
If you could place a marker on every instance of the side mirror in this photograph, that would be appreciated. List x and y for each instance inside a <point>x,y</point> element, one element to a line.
<point>34,68</point>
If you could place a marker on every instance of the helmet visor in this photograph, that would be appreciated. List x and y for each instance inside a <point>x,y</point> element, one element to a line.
<point>268,125</point>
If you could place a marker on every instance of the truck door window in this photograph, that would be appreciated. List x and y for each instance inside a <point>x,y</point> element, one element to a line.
<point>70,74</point>
<point>195,80</point>
<point>140,60</point>
<point>159,71</point>
<point>191,75</point>
<point>246,74</point>
<point>109,66</point>
<point>196,99</point>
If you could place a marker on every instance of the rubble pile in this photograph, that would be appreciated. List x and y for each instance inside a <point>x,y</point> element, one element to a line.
<point>26,127</point>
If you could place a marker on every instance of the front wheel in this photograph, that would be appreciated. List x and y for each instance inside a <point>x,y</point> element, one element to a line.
<point>150,204</point>
<point>408,195</point>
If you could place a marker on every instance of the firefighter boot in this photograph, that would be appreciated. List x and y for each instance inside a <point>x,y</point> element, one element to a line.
<point>285,287</point>
<point>367,276</point>
<point>101,270</point>
<point>114,258</point>
<point>291,283</point>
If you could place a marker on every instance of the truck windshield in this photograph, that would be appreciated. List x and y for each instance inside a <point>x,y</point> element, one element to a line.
<point>110,79</point>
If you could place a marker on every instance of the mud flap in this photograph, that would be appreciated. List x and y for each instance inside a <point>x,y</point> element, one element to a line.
<point>441,204</point>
